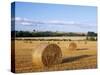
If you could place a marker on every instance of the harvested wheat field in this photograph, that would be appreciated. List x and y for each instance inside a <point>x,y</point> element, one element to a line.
<point>30,55</point>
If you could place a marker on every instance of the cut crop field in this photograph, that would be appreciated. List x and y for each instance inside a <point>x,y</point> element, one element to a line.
<point>83,57</point>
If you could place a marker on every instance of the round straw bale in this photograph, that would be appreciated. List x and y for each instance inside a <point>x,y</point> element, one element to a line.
<point>72,46</point>
<point>46,55</point>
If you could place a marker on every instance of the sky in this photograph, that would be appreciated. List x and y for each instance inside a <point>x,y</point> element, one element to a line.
<point>54,17</point>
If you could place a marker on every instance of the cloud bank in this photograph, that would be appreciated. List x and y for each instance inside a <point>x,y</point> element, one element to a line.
<point>29,22</point>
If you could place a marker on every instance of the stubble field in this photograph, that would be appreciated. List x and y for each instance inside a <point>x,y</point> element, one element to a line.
<point>84,57</point>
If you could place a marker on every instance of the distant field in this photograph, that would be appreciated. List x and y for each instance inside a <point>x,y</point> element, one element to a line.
<point>63,37</point>
<point>83,57</point>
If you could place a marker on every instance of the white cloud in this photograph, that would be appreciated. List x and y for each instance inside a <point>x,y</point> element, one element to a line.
<point>27,22</point>
<point>18,18</point>
<point>59,22</point>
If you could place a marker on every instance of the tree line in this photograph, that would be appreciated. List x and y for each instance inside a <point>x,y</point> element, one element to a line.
<point>49,33</point>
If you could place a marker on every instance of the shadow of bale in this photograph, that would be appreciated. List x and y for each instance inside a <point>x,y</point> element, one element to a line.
<point>82,49</point>
<point>71,59</point>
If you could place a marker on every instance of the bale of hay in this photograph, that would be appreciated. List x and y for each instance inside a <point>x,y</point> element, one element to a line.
<point>85,42</point>
<point>58,42</point>
<point>46,55</point>
<point>72,46</point>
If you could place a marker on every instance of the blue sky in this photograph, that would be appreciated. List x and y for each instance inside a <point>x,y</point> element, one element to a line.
<point>55,17</point>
